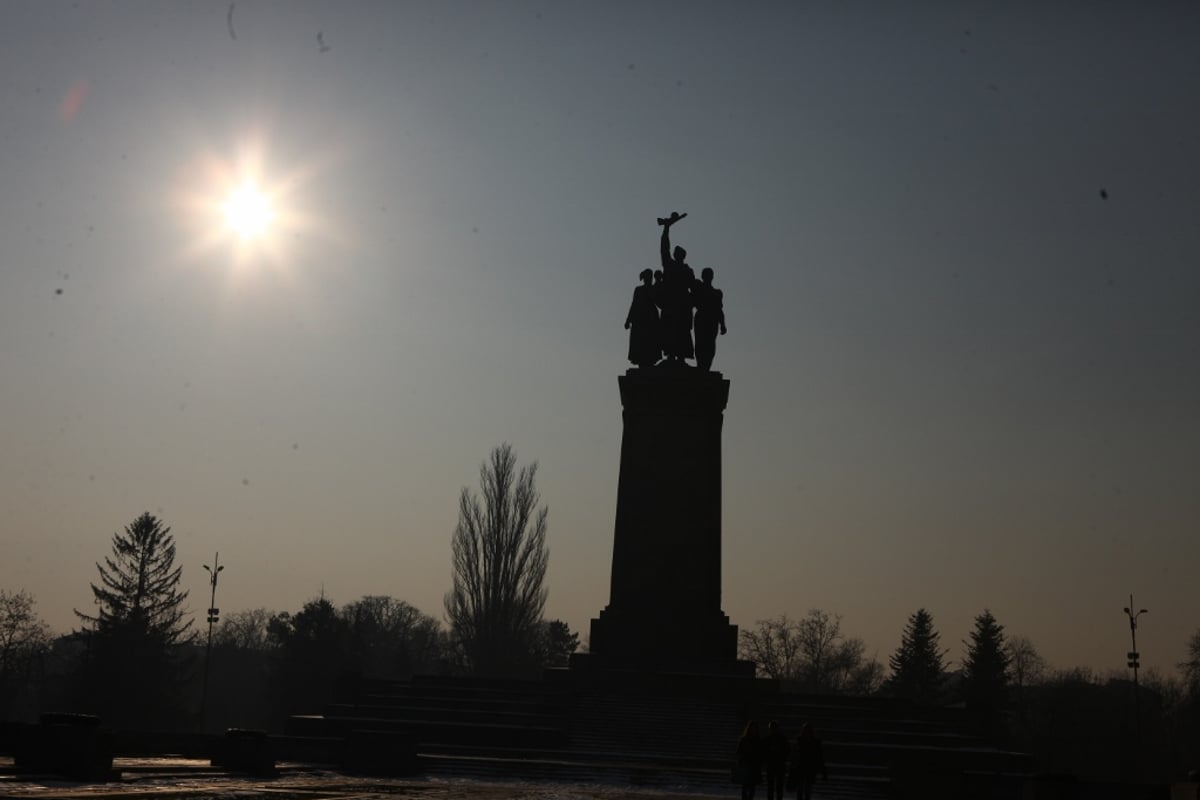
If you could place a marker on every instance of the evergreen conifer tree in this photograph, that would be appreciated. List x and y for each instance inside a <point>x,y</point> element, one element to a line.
<point>917,665</point>
<point>985,671</point>
<point>134,670</point>
<point>557,643</point>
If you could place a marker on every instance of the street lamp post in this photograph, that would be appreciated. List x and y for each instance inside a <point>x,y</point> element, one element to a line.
<point>213,613</point>
<point>1133,663</point>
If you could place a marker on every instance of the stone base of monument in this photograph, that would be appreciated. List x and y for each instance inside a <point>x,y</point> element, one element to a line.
<point>667,639</point>
<point>664,611</point>
<point>74,746</point>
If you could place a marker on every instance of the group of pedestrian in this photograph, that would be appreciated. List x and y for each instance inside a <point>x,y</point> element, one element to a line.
<point>794,765</point>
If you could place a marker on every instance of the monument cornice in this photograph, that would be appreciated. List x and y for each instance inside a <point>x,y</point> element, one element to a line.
<point>683,390</point>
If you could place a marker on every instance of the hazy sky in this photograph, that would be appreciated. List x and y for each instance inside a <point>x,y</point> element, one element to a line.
<point>959,246</point>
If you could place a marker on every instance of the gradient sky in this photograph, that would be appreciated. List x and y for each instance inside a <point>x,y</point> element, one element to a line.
<point>961,377</point>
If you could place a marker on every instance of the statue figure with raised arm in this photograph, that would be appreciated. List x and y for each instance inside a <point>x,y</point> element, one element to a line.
<point>675,300</point>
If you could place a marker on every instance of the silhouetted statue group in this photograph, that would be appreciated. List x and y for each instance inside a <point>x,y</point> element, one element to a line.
<point>669,305</point>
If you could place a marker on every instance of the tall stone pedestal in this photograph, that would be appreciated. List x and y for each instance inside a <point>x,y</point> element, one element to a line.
<point>664,610</point>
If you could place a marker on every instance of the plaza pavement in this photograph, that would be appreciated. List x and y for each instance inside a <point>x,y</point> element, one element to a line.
<point>192,779</point>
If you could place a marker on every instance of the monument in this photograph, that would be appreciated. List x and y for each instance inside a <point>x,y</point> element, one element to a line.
<point>664,610</point>
<point>661,695</point>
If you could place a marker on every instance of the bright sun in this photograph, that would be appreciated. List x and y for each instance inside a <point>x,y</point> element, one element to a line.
<point>245,211</point>
<point>248,211</point>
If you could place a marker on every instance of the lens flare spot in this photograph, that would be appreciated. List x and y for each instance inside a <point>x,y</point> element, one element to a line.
<point>73,101</point>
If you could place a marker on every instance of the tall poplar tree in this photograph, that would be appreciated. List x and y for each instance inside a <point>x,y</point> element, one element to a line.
<point>918,668</point>
<point>499,566</point>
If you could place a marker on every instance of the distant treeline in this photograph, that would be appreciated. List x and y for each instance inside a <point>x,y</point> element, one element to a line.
<point>1073,721</point>
<point>265,665</point>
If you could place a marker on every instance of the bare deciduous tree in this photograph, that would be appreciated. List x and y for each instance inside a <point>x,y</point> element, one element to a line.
<point>1025,664</point>
<point>812,654</point>
<point>24,642</point>
<point>851,672</point>
<point>392,637</point>
<point>245,630</point>
<point>1191,667</point>
<point>774,646</point>
<point>820,635</point>
<point>499,565</point>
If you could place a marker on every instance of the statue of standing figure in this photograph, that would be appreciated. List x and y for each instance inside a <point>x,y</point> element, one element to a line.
<point>710,316</point>
<point>642,323</point>
<point>685,303</point>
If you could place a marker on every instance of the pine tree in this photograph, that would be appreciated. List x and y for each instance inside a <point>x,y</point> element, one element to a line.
<point>134,670</point>
<point>556,643</point>
<point>918,669</point>
<point>985,671</point>
<point>139,585</point>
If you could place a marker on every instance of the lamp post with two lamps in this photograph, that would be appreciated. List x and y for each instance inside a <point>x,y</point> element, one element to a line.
<point>213,613</point>
<point>1132,662</point>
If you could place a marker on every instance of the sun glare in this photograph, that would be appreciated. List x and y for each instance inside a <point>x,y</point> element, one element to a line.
<point>248,211</point>
<point>242,210</point>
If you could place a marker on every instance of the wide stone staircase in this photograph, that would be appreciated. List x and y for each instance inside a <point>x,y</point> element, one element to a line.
<point>892,745</point>
<point>664,734</point>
